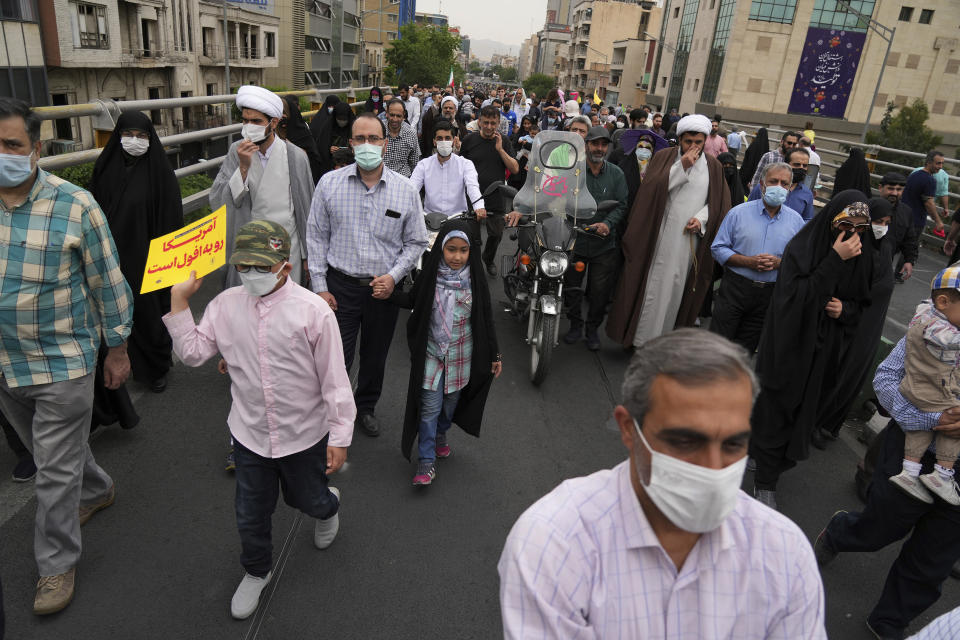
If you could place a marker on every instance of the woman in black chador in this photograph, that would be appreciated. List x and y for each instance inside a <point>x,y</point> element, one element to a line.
<point>135,186</point>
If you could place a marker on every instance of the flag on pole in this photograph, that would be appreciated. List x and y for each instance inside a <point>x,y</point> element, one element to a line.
<point>596,95</point>
<point>450,81</point>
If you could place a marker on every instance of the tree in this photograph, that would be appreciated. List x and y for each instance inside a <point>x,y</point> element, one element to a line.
<point>423,54</point>
<point>540,84</point>
<point>508,74</point>
<point>906,130</point>
<point>475,68</point>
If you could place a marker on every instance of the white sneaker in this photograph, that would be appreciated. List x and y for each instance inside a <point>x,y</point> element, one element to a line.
<point>911,486</point>
<point>326,530</point>
<point>943,488</point>
<point>247,596</point>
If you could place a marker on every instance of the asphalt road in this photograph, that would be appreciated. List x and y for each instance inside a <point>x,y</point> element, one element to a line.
<point>163,561</point>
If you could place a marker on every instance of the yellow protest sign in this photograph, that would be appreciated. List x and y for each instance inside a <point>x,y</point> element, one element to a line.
<point>200,246</point>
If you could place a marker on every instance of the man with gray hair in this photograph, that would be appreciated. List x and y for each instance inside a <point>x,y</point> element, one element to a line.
<point>749,246</point>
<point>613,554</point>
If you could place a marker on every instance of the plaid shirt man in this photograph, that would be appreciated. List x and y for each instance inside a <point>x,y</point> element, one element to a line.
<point>403,151</point>
<point>60,285</point>
<point>456,359</point>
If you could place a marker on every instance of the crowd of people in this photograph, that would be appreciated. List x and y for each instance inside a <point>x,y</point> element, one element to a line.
<point>752,316</point>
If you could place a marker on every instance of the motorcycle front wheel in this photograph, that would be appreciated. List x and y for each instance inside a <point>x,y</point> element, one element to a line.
<point>541,346</point>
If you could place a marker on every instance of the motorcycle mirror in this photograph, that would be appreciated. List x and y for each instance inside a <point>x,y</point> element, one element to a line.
<point>490,190</point>
<point>606,206</point>
<point>508,191</point>
<point>434,220</point>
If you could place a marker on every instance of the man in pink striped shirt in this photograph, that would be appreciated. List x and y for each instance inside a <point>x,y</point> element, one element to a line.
<point>665,545</point>
<point>293,411</point>
<point>715,144</point>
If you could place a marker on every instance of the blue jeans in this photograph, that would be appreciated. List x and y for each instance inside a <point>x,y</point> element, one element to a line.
<point>303,478</point>
<point>436,417</point>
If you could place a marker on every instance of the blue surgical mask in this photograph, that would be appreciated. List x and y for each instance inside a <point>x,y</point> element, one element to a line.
<point>775,196</point>
<point>643,153</point>
<point>368,156</point>
<point>14,169</point>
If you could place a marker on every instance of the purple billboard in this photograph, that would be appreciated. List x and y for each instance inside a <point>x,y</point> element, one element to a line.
<point>826,72</point>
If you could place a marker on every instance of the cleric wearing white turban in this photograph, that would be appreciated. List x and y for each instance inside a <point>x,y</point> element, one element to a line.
<point>680,203</point>
<point>696,123</point>
<point>264,178</point>
<point>266,102</point>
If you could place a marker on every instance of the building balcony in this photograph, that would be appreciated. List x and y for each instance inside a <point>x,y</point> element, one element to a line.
<point>145,58</point>
<point>239,56</point>
<point>319,26</point>
<point>318,61</point>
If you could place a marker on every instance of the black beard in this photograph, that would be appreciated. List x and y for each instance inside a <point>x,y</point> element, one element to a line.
<point>894,200</point>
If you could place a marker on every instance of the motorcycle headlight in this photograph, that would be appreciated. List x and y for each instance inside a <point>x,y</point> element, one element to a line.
<point>553,264</point>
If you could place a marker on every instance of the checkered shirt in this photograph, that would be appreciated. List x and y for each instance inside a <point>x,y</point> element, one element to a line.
<point>403,152</point>
<point>456,359</point>
<point>60,285</point>
<point>349,228</point>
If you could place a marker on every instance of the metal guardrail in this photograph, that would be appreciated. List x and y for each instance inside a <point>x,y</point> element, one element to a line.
<point>866,147</point>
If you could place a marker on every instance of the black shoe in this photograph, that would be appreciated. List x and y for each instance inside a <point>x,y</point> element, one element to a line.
<point>593,340</point>
<point>159,385</point>
<point>955,572</point>
<point>574,334</point>
<point>817,440</point>
<point>821,549</point>
<point>492,270</point>
<point>369,424</point>
<point>25,470</point>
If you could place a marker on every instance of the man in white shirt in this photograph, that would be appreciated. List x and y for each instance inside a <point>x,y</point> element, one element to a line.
<point>412,103</point>
<point>665,544</point>
<point>444,176</point>
<point>813,166</point>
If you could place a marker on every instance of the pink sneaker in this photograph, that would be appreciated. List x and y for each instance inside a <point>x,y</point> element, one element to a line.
<point>442,449</point>
<point>426,472</point>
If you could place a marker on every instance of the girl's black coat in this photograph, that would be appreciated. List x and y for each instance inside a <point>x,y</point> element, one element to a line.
<point>473,397</point>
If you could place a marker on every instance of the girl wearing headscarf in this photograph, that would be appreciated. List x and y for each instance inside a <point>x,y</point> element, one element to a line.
<point>822,287</point>
<point>751,157</point>
<point>324,114</point>
<point>294,128</point>
<point>374,103</point>
<point>858,361</point>
<point>135,186</point>
<point>522,129</point>
<point>336,134</point>
<point>853,174</point>
<point>453,348</point>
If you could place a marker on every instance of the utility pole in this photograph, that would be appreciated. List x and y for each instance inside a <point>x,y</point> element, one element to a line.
<point>226,69</point>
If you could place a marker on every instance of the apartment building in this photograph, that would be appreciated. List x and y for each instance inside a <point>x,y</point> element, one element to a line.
<point>381,20</point>
<point>23,73</point>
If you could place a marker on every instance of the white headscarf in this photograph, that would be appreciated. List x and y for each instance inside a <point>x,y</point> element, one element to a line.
<point>266,102</point>
<point>696,123</point>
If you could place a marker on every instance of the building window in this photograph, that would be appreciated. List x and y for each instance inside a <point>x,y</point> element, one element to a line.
<point>718,51</point>
<point>92,22</point>
<point>317,44</point>
<point>676,12</point>
<point>773,10</point>
<point>211,91</point>
<point>680,58</point>
<point>828,14</point>
<point>906,14</point>
<point>156,116</point>
<point>270,44</point>
<point>926,16</point>
<point>18,10</point>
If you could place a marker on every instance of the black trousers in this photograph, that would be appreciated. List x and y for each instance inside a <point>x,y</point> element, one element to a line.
<point>303,478</point>
<point>925,560</point>
<point>494,223</point>
<point>16,445</point>
<point>601,272</point>
<point>360,314</point>
<point>739,309</point>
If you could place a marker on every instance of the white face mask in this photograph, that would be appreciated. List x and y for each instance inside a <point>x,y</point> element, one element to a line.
<point>253,132</point>
<point>879,230</point>
<point>260,284</point>
<point>445,147</point>
<point>694,498</point>
<point>134,146</point>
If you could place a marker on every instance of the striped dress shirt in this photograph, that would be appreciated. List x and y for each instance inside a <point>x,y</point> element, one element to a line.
<point>364,232</point>
<point>946,627</point>
<point>583,562</point>
<point>60,285</point>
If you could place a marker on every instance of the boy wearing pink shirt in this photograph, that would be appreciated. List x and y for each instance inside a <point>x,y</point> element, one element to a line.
<point>293,411</point>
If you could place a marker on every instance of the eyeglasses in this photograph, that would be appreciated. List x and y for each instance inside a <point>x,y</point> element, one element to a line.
<point>849,226</point>
<point>244,268</point>
<point>367,139</point>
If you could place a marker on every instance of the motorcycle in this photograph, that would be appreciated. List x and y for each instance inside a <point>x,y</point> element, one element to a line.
<point>560,209</point>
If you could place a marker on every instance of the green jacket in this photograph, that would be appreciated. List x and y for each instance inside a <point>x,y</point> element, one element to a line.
<point>609,184</point>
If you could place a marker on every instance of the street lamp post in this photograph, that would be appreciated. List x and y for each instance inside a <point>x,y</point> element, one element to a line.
<point>885,33</point>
